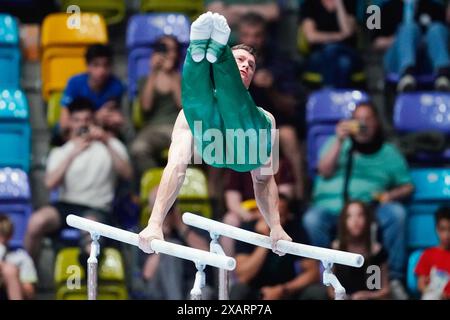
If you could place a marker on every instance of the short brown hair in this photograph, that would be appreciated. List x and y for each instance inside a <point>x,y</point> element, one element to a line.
<point>245,47</point>
<point>6,226</point>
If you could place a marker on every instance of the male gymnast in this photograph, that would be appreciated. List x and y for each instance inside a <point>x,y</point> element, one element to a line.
<point>215,96</point>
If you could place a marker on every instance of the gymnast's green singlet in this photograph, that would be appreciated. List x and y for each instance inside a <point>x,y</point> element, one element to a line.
<point>229,130</point>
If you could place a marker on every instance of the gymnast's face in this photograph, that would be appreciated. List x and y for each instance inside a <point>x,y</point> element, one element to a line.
<point>246,65</point>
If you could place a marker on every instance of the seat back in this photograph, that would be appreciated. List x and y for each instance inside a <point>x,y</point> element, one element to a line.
<point>113,11</point>
<point>111,275</point>
<point>54,109</point>
<point>9,52</point>
<point>422,111</point>
<point>193,195</point>
<point>14,130</point>
<point>14,186</point>
<point>332,105</point>
<point>411,278</point>
<point>57,30</point>
<point>432,190</point>
<point>15,201</point>
<point>192,8</point>
<point>142,32</point>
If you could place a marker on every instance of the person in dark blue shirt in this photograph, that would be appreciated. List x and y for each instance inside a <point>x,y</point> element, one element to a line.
<point>262,274</point>
<point>98,85</point>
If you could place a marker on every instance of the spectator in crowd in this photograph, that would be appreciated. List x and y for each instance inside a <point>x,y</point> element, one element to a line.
<point>239,189</point>
<point>110,118</point>
<point>433,269</point>
<point>329,27</point>
<point>263,275</point>
<point>167,277</point>
<point>355,235</point>
<point>160,102</point>
<point>234,10</point>
<point>17,272</point>
<point>275,87</point>
<point>98,84</point>
<point>358,164</point>
<point>415,35</point>
<point>84,170</point>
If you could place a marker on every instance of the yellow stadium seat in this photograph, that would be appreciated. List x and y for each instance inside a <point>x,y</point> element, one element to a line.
<point>111,276</point>
<point>54,109</point>
<point>57,31</point>
<point>112,10</point>
<point>58,66</point>
<point>192,8</point>
<point>104,292</point>
<point>64,48</point>
<point>136,114</point>
<point>193,196</point>
<point>302,42</point>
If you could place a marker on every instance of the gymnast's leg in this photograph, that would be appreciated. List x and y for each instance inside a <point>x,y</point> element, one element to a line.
<point>197,92</point>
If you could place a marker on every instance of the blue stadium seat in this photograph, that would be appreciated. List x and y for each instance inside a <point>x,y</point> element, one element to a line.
<point>324,109</point>
<point>9,52</point>
<point>14,130</point>
<point>142,31</point>
<point>432,190</point>
<point>15,201</point>
<point>411,278</point>
<point>424,111</point>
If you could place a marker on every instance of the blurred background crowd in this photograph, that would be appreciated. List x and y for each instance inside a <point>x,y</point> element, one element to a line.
<point>89,93</point>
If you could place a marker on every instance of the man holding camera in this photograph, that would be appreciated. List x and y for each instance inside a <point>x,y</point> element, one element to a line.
<point>358,164</point>
<point>84,170</point>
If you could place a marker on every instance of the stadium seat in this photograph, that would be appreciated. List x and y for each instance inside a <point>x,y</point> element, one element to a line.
<point>192,8</point>
<point>432,190</point>
<point>112,10</point>
<point>14,130</point>
<point>324,109</point>
<point>142,32</point>
<point>411,278</point>
<point>193,196</point>
<point>424,112</point>
<point>9,52</point>
<point>136,114</point>
<point>15,201</point>
<point>111,276</point>
<point>64,48</point>
<point>54,109</point>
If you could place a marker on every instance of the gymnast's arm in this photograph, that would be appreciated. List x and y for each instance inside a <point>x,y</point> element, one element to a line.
<point>266,194</point>
<point>180,153</point>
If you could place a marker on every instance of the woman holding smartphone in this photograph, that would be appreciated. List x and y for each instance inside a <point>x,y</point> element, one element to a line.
<point>160,103</point>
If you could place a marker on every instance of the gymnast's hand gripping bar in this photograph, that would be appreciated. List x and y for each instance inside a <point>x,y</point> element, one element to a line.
<point>318,253</point>
<point>159,246</point>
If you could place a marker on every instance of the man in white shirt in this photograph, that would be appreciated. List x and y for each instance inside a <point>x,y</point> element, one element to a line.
<point>84,170</point>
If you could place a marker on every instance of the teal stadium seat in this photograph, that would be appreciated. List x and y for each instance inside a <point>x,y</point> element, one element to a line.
<point>432,190</point>
<point>15,130</point>
<point>411,278</point>
<point>9,52</point>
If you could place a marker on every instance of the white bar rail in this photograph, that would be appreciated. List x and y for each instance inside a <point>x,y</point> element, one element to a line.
<point>159,246</point>
<point>323,254</point>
